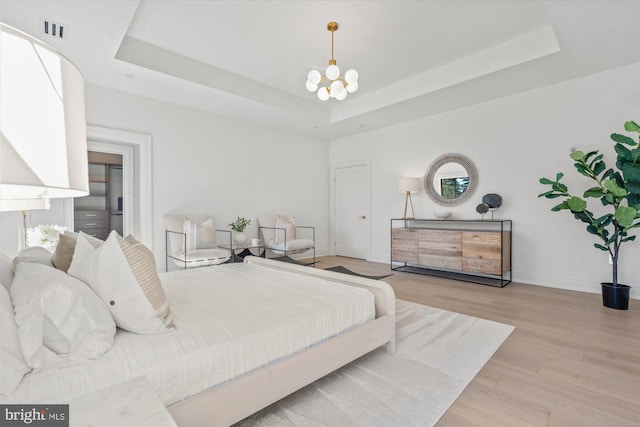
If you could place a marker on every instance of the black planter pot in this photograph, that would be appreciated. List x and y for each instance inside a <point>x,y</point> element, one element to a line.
<point>615,297</point>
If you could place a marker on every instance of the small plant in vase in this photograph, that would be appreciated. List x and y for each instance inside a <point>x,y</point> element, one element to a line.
<point>238,226</point>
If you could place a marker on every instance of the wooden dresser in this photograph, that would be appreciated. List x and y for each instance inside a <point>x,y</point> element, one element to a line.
<point>475,251</point>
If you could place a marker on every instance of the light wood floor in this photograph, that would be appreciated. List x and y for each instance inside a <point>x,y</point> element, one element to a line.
<point>569,362</point>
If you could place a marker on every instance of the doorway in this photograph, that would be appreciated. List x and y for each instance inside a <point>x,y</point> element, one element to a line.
<point>103,209</point>
<point>352,206</point>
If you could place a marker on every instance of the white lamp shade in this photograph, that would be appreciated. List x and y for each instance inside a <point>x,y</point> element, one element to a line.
<point>314,77</point>
<point>42,119</point>
<point>411,185</point>
<point>332,72</point>
<point>352,87</point>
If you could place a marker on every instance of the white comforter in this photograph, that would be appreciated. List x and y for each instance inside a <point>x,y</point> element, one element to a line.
<point>230,319</point>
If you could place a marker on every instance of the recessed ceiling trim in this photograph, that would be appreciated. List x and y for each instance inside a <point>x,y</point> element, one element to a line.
<point>152,57</point>
<point>530,46</point>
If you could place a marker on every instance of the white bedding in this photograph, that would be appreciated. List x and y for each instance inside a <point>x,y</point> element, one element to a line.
<point>230,319</point>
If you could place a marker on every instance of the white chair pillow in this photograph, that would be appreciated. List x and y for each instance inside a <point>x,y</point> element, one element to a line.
<point>123,273</point>
<point>58,315</point>
<point>200,236</point>
<point>12,364</point>
<point>287,223</point>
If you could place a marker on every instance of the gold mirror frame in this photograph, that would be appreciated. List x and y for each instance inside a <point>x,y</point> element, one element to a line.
<point>462,160</point>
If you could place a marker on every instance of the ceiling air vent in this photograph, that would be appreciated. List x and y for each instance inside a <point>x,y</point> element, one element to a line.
<point>54,29</point>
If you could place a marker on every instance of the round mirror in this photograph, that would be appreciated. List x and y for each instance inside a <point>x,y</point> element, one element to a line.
<point>451,179</point>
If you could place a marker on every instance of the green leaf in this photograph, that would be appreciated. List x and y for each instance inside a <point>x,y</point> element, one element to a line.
<point>545,181</point>
<point>629,239</point>
<point>631,126</point>
<point>622,139</point>
<point>625,215</point>
<point>593,230</point>
<point>576,204</point>
<point>559,176</point>
<point>623,152</point>
<point>577,155</point>
<point>599,168</point>
<point>602,248</point>
<point>633,187</point>
<point>595,192</point>
<point>613,187</point>
<point>631,171</point>
<point>560,207</point>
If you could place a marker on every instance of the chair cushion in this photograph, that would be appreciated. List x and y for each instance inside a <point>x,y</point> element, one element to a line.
<point>293,246</point>
<point>287,223</point>
<point>200,235</point>
<point>202,257</point>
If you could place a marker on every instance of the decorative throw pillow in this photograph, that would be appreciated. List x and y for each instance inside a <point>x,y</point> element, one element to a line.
<point>200,236</point>
<point>59,315</point>
<point>6,271</point>
<point>12,363</point>
<point>36,254</point>
<point>283,223</point>
<point>123,273</point>
<point>63,254</point>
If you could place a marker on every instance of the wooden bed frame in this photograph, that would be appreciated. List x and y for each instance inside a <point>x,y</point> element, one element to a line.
<point>235,400</point>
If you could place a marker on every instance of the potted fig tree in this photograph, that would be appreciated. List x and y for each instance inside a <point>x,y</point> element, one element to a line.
<point>618,190</point>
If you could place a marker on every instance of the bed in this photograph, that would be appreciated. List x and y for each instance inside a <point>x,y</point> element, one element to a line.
<point>197,370</point>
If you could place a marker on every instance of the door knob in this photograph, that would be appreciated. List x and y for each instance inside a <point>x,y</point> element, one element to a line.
<point>363,217</point>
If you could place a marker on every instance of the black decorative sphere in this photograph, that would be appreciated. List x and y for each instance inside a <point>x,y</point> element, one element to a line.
<point>492,200</point>
<point>482,208</point>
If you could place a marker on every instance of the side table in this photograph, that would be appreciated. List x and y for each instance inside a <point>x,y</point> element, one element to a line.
<point>238,252</point>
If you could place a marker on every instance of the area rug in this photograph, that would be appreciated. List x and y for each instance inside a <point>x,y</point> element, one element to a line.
<point>438,354</point>
<point>344,270</point>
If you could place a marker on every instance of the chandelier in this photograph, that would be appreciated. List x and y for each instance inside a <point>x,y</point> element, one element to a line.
<point>332,84</point>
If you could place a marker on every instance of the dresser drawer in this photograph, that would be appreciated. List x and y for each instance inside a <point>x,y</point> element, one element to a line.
<point>488,266</point>
<point>481,238</point>
<point>79,215</point>
<point>441,236</point>
<point>90,223</point>
<point>451,249</point>
<point>100,233</point>
<point>435,261</point>
<point>410,257</point>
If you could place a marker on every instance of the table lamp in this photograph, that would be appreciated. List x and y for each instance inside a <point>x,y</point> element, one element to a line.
<point>408,186</point>
<point>43,150</point>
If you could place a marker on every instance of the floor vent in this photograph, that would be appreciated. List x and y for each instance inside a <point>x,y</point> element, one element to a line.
<point>54,29</point>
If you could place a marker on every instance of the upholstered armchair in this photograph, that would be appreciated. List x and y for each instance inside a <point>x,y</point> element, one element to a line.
<point>191,241</point>
<point>283,237</point>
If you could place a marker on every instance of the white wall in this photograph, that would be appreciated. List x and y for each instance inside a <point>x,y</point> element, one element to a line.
<point>513,141</point>
<point>204,163</point>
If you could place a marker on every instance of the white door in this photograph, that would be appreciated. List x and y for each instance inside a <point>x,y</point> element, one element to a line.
<point>352,204</point>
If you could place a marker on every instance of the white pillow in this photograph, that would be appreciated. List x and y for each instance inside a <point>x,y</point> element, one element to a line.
<point>35,254</point>
<point>200,236</point>
<point>6,271</point>
<point>12,363</point>
<point>58,315</point>
<point>287,223</point>
<point>123,273</point>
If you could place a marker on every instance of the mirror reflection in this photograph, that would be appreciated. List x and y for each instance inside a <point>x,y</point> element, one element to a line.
<point>451,180</point>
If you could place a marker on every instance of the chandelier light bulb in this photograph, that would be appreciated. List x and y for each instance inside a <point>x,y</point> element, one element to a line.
<point>351,76</point>
<point>323,94</point>
<point>332,72</point>
<point>311,87</point>
<point>352,87</point>
<point>342,96</point>
<point>314,77</point>
<point>337,88</point>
